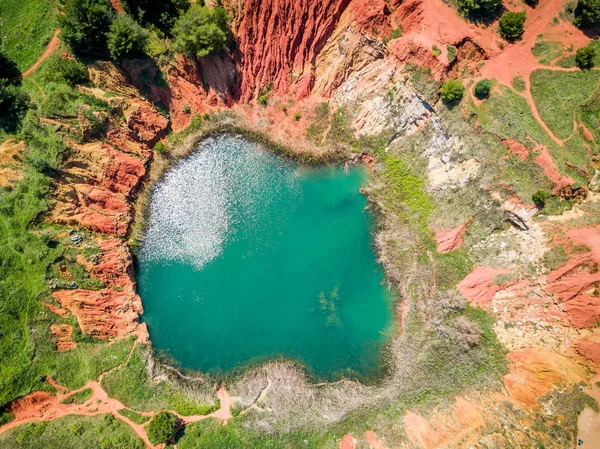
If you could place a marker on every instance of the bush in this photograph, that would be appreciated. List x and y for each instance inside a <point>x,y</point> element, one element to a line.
<point>483,88</point>
<point>512,25</point>
<point>532,3</point>
<point>297,116</point>
<point>161,14</point>
<point>162,428</point>
<point>160,147</point>
<point>539,198</point>
<point>479,7</point>
<point>85,24</point>
<point>452,91</point>
<point>201,31</point>
<point>125,38</point>
<point>73,72</point>
<point>13,106</point>
<point>584,58</point>
<point>587,13</point>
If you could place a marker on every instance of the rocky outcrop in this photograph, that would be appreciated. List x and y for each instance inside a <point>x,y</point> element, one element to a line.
<point>450,239</point>
<point>278,44</point>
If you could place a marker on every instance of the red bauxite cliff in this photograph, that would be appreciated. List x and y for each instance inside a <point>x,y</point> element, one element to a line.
<point>279,42</point>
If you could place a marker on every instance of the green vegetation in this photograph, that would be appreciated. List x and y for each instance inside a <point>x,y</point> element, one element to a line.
<point>13,106</point>
<point>80,397</point>
<point>73,432</point>
<point>555,258</point>
<point>201,31</point>
<point>483,88</point>
<point>452,92</point>
<point>587,13</point>
<point>539,198</point>
<point>125,38</point>
<point>584,58</point>
<point>559,96</point>
<point>27,26</point>
<point>512,25</point>
<point>479,8</point>
<point>451,53</point>
<point>133,416</point>
<point>297,116</point>
<point>161,14</point>
<point>547,51</point>
<point>85,24</point>
<point>518,84</point>
<point>131,385</point>
<point>394,34</point>
<point>162,428</point>
<point>435,51</point>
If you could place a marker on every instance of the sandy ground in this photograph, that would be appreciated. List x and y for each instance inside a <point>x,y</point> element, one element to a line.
<point>588,424</point>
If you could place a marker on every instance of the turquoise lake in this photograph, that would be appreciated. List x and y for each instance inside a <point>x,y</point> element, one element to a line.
<point>250,257</point>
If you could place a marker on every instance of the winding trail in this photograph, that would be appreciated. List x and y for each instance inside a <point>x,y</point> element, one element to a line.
<point>43,406</point>
<point>51,48</point>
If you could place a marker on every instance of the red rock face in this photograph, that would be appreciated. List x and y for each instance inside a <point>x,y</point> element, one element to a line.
<point>278,42</point>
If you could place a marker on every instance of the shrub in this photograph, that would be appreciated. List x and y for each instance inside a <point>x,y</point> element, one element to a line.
<point>125,38</point>
<point>201,31</point>
<point>587,13</point>
<point>162,14</point>
<point>435,51</point>
<point>13,106</point>
<point>84,25</point>
<point>479,7</point>
<point>187,110</point>
<point>532,3</point>
<point>162,428</point>
<point>451,52</point>
<point>452,91</point>
<point>512,25</point>
<point>483,88</point>
<point>297,116</point>
<point>585,57</point>
<point>160,147</point>
<point>539,198</point>
<point>395,34</point>
<point>73,72</point>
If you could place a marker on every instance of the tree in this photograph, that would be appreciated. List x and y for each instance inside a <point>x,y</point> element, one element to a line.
<point>479,7</point>
<point>201,31</point>
<point>512,25</point>
<point>162,14</point>
<point>84,25</point>
<point>125,37</point>
<point>13,105</point>
<point>539,198</point>
<point>587,13</point>
<point>482,88</point>
<point>162,428</point>
<point>585,57</point>
<point>452,91</point>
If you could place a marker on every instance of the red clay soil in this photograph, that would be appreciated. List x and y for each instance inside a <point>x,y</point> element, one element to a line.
<point>479,287</point>
<point>347,442</point>
<point>279,42</point>
<point>374,442</point>
<point>116,4</point>
<point>450,239</point>
<point>517,148</point>
<point>544,160</point>
<point>51,48</point>
<point>44,406</point>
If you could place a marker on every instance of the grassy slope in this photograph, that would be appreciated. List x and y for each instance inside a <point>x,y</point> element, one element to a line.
<point>73,432</point>
<point>26,27</point>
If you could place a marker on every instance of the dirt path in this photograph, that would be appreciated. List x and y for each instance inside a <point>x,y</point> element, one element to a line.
<point>43,406</point>
<point>588,423</point>
<point>52,47</point>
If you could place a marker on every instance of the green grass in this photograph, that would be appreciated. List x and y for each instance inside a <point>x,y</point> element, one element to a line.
<point>80,397</point>
<point>130,385</point>
<point>26,27</point>
<point>133,416</point>
<point>547,51</point>
<point>558,95</point>
<point>73,432</point>
<point>555,258</point>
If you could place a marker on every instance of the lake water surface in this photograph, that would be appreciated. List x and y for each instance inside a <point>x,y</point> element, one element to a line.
<point>250,257</point>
